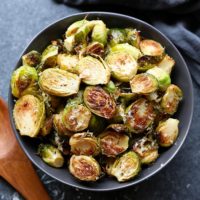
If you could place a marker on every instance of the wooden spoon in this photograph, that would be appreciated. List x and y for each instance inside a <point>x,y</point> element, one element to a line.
<point>15,167</point>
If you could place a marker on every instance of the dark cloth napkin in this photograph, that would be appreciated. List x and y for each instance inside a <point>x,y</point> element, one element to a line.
<point>179,20</point>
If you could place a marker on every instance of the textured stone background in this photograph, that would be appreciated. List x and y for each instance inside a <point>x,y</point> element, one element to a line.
<point>20,20</point>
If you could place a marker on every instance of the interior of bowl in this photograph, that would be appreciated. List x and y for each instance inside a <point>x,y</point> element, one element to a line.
<point>180,77</point>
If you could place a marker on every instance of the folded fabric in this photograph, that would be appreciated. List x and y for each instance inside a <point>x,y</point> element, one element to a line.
<point>179,20</point>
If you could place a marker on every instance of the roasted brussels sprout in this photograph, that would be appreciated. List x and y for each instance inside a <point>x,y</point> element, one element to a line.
<point>99,102</point>
<point>59,82</point>
<point>49,56</point>
<point>76,117</point>
<point>69,43</point>
<point>95,48</point>
<point>167,64</point>
<point>151,48</point>
<point>116,36</point>
<point>72,29</point>
<point>147,149</point>
<point>84,168</point>
<point>144,83</point>
<point>47,126</point>
<point>98,28</point>
<point>167,132</point>
<point>126,167</point>
<point>31,59</point>
<point>122,64</point>
<point>68,62</point>
<point>51,155</point>
<point>133,37</point>
<point>59,126</point>
<point>29,115</point>
<point>99,33</point>
<point>162,77</point>
<point>84,144</point>
<point>171,99</point>
<point>97,124</point>
<point>92,71</point>
<point>24,81</point>
<point>113,143</point>
<point>127,48</point>
<point>139,115</point>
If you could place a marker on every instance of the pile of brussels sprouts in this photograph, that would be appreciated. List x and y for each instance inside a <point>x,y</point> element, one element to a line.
<point>100,101</point>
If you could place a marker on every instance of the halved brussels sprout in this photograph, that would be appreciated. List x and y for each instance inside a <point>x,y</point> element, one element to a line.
<point>99,33</point>
<point>113,143</point>
<point>144,83</point>
<point>126,167</point>
<point>69,43</point>
<point>51,155</point>
<point>59,126</point>
<point>92,71</point>
<point>61,142</point>
<point>31,59</point>
<point>72,29</point>
<point>47,126</point>
<point>97,124</point>
<point>147,149</point>
<point>116,36</point>
<point>84,168</point>
<point>151,48</point>
<point>162,77</point>
<point>167,132</point>
<point>133,37</point>
<point>127,48</point>
<point>84,144</point>
<point>24,81</point>
<point>140,115</point>
<point>171,99</point>
<point>29,115</point>
<point>99,102</point>
<point>49,56</point>
<point>167,64</point>
<point>82,33</point>
<point>59,82</point>
<point>68,62</point>
<point>95,48</point>
<point>122,64</point>
<point>76,117</point>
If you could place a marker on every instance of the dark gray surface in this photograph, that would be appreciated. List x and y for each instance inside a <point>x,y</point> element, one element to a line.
<point>20,20</point>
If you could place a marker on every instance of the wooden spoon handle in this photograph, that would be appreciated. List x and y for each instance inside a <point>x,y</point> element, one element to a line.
<point>15,167</point>
<point>22,176</point>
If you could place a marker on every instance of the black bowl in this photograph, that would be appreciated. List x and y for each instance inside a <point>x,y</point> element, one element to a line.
<point>180,77</point>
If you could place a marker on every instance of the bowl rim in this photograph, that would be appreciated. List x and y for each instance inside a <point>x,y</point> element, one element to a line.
<point>128,184</point>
